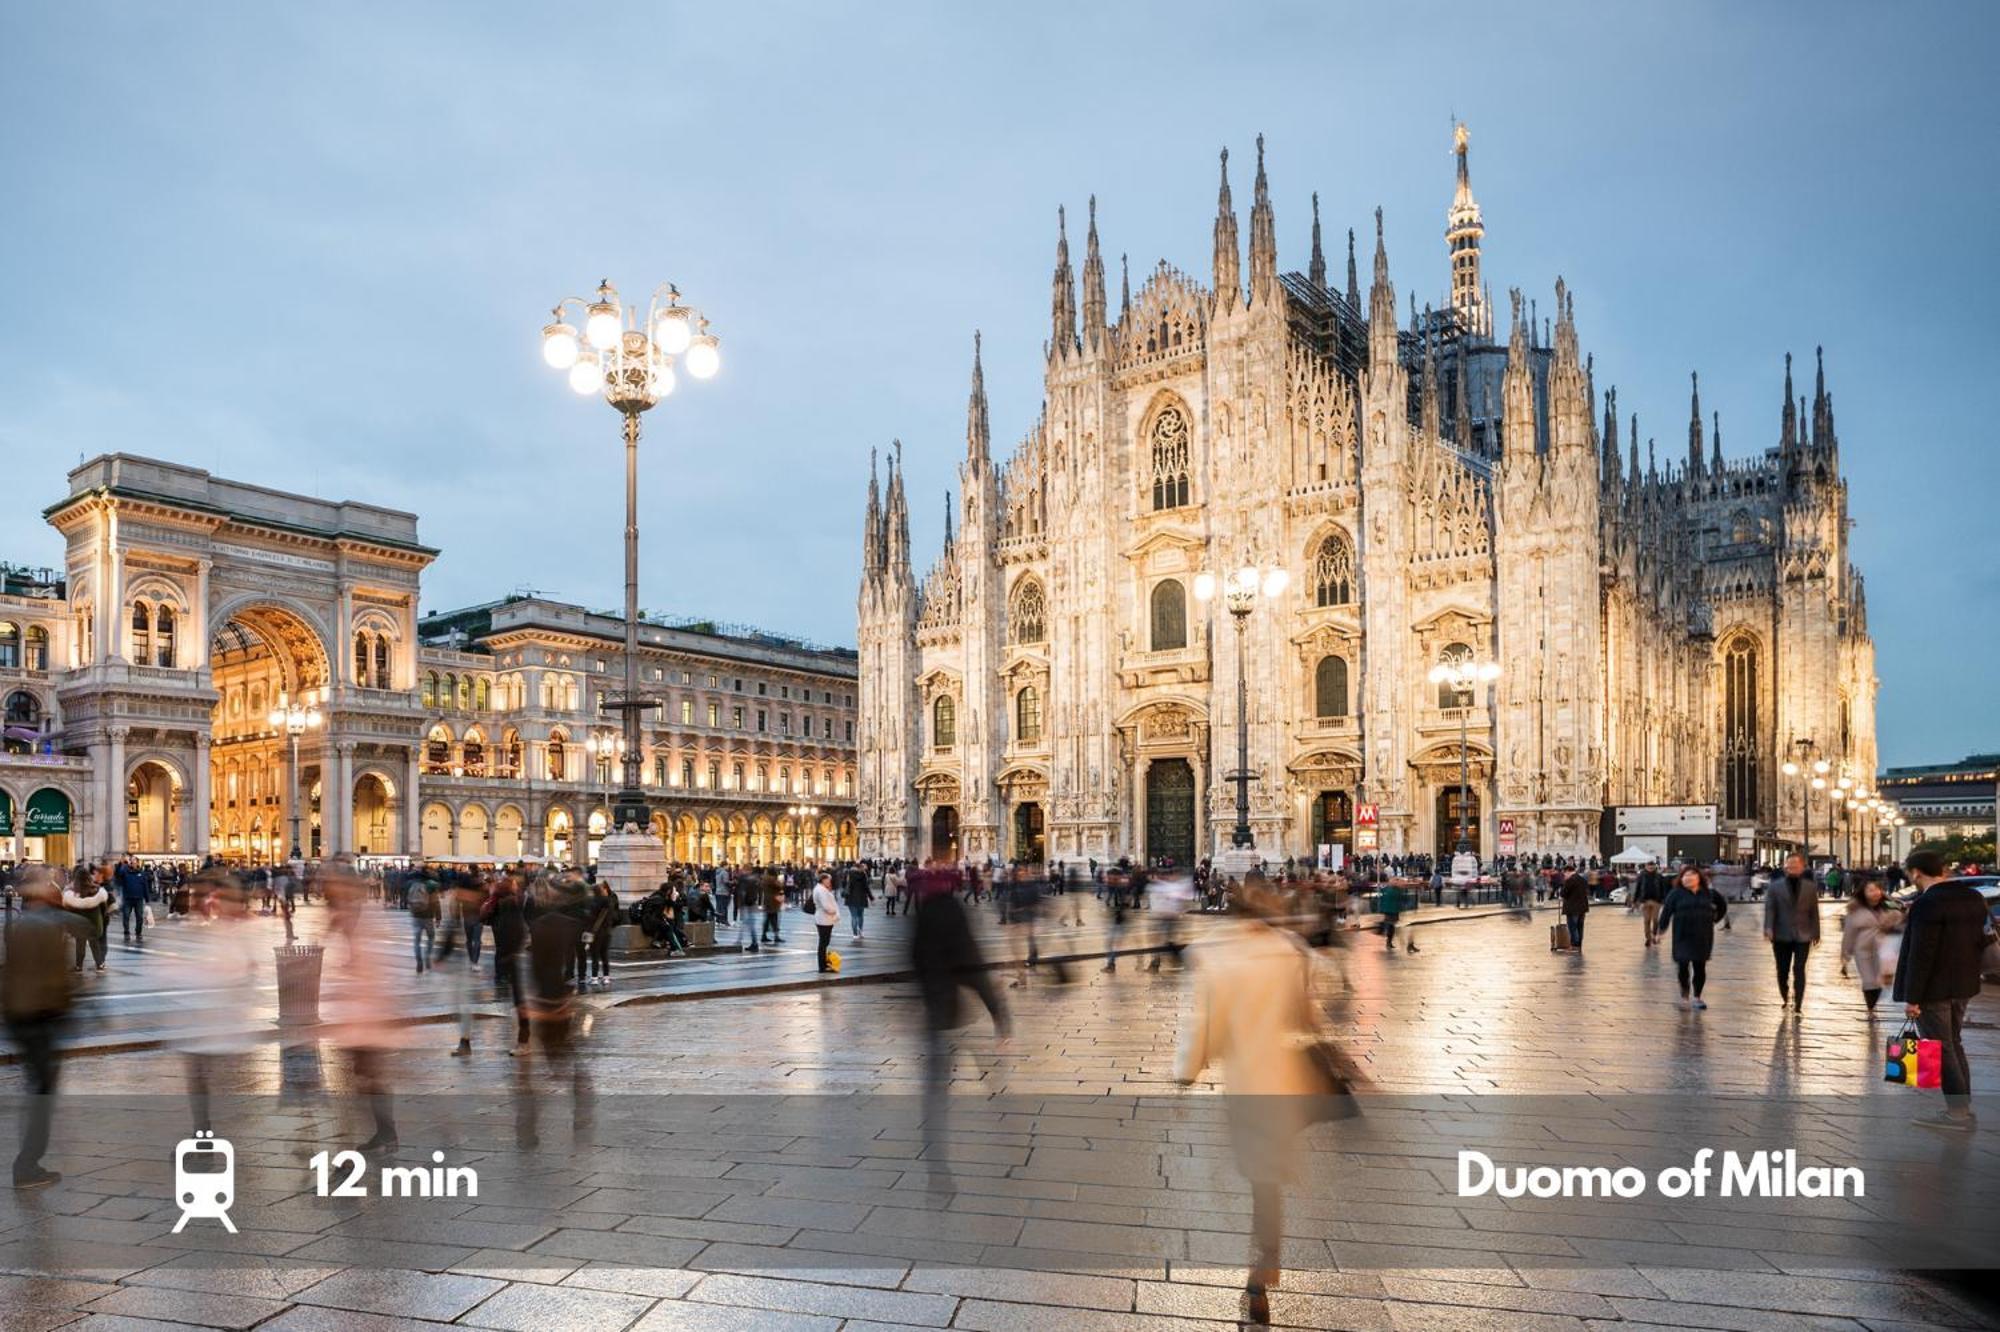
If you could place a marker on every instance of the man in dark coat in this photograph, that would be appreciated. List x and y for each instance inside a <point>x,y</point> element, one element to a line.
<point>1791,923</point>
<point>1937,972</point>
<point>35,995</point>
<point>1575,905</point>
<point>946,958</point>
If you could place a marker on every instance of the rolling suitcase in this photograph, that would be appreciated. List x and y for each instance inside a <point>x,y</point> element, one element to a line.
<point>1559,938</point>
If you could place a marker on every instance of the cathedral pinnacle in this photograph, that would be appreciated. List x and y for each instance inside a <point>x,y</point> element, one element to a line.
<point>1353,282</point>
<point>1062,297</point>
<point>1611,459</point>
<point>874,537</point>
<point>950,538</point>
<point>1381,306</point>
<point>1694,427</point>
<point>1716,465</point>
<point>978,431</point>
<point>1228,257</point>
<point>1124,287</point>
<point>1788,436</point>
<point>1093,286</point>
<point>1263,239</point>
<point>1316,269</point>
<point>1464,229</point>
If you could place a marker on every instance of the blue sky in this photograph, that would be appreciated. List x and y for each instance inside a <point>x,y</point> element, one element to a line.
<point>311,246</point>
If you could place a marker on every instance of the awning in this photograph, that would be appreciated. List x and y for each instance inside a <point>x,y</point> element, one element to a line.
<point>47,813</point>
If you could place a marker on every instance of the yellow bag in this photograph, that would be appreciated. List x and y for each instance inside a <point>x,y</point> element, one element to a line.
<point>832,960</point>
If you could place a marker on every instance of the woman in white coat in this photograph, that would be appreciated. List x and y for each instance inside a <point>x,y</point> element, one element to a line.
<point>1253,1013</point>
<point>1865,944</point>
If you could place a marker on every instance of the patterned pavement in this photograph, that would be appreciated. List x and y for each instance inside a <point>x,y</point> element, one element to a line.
<point>761,1161</point>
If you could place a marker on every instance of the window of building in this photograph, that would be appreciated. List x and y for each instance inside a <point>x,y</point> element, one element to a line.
<point>1169,442</point>
<point>763,777</point>
<point>1169,616</point>
<point>762,718</point>
<point>1451,695</point>
<point>784,723</point>
<point>430,689</point>
<point>711,682</point>
<point>10,645</point>
<point>762,689</point>
<point>163,636</point>
<point>1028,618</point>
<point>1740,739</point>
<point>364,662</point>
<point>659,770</point>
<point>24,710</point>
<point>37,658</point>
<point>944,722</point>
<point>382,680</point>
<point>1330,687</point>
<point>142,633</point>
<point>482,695</point>
<point>785,780</point>
<point>715,714</point>
<point>1333,572</point>
<point>850,733</point>
<point>714,775</point>
<point>687,712</point>
<point>558,759</point>
<point>737,685</point>
<point>736,718</point>
<point>1028,715</point>
<point>686,678</point>
<point>687,772</point>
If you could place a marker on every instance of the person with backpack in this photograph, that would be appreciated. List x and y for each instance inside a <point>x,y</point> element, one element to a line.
<point>1690,910</point>
<point>1650,892</point>
<point>857,895</point>
<point>422,902</point>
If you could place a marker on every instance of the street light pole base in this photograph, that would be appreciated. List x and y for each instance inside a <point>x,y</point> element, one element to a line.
<point>633,863</point>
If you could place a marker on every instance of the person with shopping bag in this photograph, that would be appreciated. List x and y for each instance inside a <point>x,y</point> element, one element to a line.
<point>1937,973</point>
<point>1864,939</point>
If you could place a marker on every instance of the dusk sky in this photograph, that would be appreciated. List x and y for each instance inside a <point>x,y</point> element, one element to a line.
<point>312,246</point>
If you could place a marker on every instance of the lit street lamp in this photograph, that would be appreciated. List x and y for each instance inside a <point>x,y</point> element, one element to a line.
<point>1463,676</point>
<point>629,360</point>
<point>1809,760</point>
<point>800,814</point>
<point>608,747</point>
<point>1240,594</point>
<point>295,719</point>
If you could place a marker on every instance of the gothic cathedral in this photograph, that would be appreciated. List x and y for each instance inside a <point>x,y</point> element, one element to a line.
<point>1664,634</point>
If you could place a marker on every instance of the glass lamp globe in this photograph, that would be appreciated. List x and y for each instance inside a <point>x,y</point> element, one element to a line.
<point>1821,766</point>
<point>1819,783</point>
<point>603,328</point>
<point>673,330</point>
<point>1204,587</point>
<point>1791,769</point>
<point>559,347</point>
<point>586,376</point>
<point>704,357</point>
<point>661,378</point>
<point>1276,581</point>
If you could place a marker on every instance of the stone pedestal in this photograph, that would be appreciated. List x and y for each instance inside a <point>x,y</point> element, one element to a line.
<point>633,863</point>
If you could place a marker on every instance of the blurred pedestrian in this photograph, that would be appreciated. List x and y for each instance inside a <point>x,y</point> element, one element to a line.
<point>89,898</point>
<point>946,958</point>
<point>1690,911</point>
<point>1791,923</point>
<point>1864,938</point>
<point>35,994</point>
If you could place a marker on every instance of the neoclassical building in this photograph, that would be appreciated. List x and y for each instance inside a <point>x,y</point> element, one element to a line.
<point>1441,486</point>
<point>139,679</point>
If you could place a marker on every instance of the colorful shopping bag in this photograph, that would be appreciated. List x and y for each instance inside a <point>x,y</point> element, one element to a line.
<point>1912,1061</point>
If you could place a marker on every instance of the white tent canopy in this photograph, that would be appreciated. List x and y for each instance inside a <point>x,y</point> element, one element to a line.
<point>1634,855</point>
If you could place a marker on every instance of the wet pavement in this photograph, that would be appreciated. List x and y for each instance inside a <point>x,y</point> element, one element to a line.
<point>759,1162</point>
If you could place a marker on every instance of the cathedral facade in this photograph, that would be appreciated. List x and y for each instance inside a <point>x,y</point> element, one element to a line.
<point>1664,633</point>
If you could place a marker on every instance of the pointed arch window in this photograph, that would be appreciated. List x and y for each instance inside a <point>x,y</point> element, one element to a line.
<point>1029,618</point>
<point>1171,451</point>
<point>382,680</point>
<point>1740,740</point>
<point>1333,572</point>
<point>1330,687</point>
<point>1028,715</point>
<point>944,722</point>
<point>1169,616</point>
<point>362,662</point>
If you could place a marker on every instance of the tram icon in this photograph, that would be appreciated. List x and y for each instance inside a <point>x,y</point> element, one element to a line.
<point>204,1179</point>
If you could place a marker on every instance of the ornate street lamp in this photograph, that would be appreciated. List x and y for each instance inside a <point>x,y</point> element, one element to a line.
<point>628,359</point>
<point>1241,592</point>
<point>802,813</point>
<point>1464,675</point>
<point>295,719</point>
<point>607,747</point>
<point>1809,761</point>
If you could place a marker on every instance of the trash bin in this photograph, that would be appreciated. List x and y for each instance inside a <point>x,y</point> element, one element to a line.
<point>298,984</point>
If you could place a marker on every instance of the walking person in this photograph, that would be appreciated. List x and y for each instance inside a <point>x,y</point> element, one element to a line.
<point>603,916</point>
<point>131,881</point>
<point>1791,923</point>
<point>1937,973</point>
<point>1689,912</point>
<point>1389,904</point>
<point>1253,1013</point>
<point>503,911</point>
<point>35,997</point>
<point>1650,892</point>
<point>774,905</point>
<point>425,909</point>
<point>1864,943</point>
<point>1575,906</point>
<point>826,914</point>
<point>858,896</point>
<point>946,958</point>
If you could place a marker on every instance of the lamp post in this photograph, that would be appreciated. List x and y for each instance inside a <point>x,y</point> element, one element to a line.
<point>1463,675</point>
<point>629,360</point>
<point>1809,762</point>
<point>607,747</point>
<point>1240,593</point>
<point>295,718</point>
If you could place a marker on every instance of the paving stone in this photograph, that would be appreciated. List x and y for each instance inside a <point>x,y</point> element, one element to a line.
<point>1438,1318</point>
<point>1730,1318</point>
<point>847,1269</point>
<point>352,1251</point>
<point>441,1297</point>
<point>839,1301</point>
<point>1065,1289</point>
<point>680,1316</point>
<point>203,1308</point>
<point>510,1265</point>
<point>805,1214</point>
<point>660,1282</point>
<point>1481,1295</point>
<point>619,1247</point>
<point>1885,1299</point>
<point>312,1318</point>
<point>994,1316</point>
<point>236,1274</point>
<point>530,1308</point>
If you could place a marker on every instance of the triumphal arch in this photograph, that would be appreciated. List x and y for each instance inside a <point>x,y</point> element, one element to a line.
<point>197,606</point>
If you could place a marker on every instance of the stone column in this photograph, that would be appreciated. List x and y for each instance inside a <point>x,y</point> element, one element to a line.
<point>337,800</point>
<point>198,656</point>
<point>113,837</point>
<point>413,816</point>
<point>198,843</point>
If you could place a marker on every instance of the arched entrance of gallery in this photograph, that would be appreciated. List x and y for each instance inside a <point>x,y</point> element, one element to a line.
<point>262,655</point>
<point>153,802</point>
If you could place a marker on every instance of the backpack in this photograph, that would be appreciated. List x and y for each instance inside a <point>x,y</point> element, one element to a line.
<point>420,900</point>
